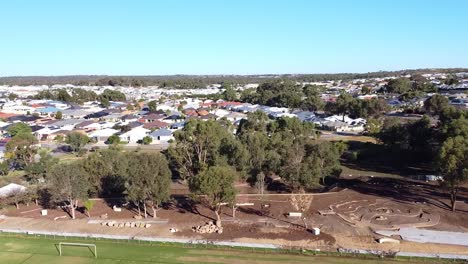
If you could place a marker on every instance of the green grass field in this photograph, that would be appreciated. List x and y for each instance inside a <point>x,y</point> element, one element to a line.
<point>26,250</point>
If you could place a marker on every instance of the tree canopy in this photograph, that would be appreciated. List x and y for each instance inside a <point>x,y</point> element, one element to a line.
<point>77,141</point>
<point>68,183</point>
<point>112,95</point>
<point>19,128</point>
<point>21,149</point>
<point>150,180</point>
<point>285,93</point>
<point>453,164</point>
<point>217,184</point>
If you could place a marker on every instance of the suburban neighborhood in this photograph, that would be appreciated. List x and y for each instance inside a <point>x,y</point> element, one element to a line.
<point>132,120</point>
<point>224,132</point>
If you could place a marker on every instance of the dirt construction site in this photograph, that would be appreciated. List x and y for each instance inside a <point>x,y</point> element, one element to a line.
<point>354,215</point>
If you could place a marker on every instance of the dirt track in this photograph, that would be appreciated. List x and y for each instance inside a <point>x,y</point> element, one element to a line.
<point>270,225</point>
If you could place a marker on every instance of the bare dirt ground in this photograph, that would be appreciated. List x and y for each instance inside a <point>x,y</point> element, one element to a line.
<point>359,207</point>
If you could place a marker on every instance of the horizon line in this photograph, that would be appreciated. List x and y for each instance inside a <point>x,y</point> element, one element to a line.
<point>233,74</point>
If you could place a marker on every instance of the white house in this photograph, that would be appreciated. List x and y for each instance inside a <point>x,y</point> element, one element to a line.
<point>220,112</point>
<point>17,107</point>
<point>74,113</point>
<point>162,135</point>
<point>46,133</point>
<point>165,107</point>
<point>103,134</point>
<point>235,116</point>
<point>346,124</point>
<point>134,135</point>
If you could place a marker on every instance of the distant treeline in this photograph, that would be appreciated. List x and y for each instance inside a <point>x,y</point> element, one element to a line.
<point>200,81</point>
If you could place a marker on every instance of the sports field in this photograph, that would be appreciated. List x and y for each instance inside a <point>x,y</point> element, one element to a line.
<point>28,250</point>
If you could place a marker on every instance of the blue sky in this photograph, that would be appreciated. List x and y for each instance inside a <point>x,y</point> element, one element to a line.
<point>140,37</point>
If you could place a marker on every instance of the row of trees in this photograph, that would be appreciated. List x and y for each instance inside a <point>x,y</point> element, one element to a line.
<point>206,155</point>
<point>79,96</point>
<point>210,157</point>
<point>142,178</point>
<point>292,95</point>
<point>285,93</point>
<point>346,104</point>
<point>445,144</point>
<point>197,81</point>
<point>22,148</point>
<point>405,85</point>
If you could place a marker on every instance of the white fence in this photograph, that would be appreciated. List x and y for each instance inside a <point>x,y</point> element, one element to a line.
<point>142,238</point>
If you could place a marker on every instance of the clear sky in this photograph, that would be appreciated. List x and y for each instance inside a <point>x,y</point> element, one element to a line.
<point>155,37</point>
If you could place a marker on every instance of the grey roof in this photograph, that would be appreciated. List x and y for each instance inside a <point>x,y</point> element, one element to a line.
<point>112,116</point>
<point>75,112</point>
<point>65,122</point>
<point>335,124</point>
<point>161,133</point>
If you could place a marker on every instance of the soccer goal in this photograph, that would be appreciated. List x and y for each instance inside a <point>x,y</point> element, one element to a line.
<point>77,245</point>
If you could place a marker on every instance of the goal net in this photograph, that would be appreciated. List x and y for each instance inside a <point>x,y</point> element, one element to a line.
<point>90,246</point>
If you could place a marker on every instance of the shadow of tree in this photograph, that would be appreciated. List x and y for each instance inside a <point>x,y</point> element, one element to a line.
<point>404,191</point>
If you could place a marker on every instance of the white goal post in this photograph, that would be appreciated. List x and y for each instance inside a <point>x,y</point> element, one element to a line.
<point>78,245</point>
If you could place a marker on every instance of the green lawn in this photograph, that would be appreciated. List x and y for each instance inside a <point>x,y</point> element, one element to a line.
<point>26,250</point>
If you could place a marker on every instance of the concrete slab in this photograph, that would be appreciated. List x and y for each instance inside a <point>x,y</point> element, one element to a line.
<point>428,236</point>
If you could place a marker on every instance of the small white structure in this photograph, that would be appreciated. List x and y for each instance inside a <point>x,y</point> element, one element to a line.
<point>429,178</point>
<point>294,214</point>
<point>10,189</point>
<point>316,231</point>
<point>44,212</point>
<point>388,240</point>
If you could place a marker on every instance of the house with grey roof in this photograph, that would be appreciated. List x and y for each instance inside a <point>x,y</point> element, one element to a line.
<point>74,113</point>
<point>162,135</point>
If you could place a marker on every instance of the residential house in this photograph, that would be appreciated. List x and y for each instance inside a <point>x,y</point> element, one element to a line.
<point>178,125</point>
<point>304,115</point>
<point>64,124</point>
<point>162,136</point>
<point>130,118</point>
<point>87,125</point>
<point>97,115</point>
<point>103,134</point>
<point>156,125</point>
<point>134,135</point>
<point>114,117</point>
<point>23,119</point>
<point>220,112</point>
<point>151,118</point>
<point>208,117</point>
<point>74,113</point>
<point>47,111</point>
<point>174,118</point>
<point>235,116</point>
<point>17,107</point>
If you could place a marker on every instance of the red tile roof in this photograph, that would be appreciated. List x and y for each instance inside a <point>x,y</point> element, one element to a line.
<point>155,124</point>
<point>7,115</point>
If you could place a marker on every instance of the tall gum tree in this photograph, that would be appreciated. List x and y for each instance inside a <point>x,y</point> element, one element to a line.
<point>68,183</point>
<point>216,184</point>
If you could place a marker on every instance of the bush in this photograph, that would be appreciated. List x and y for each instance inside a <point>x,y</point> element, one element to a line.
<point>114,139</point>
<point>82,152</point>
<point>4,168</point>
